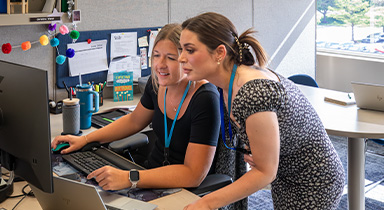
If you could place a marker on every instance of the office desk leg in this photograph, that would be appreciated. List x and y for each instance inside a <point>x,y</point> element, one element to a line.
<point>356,173</point>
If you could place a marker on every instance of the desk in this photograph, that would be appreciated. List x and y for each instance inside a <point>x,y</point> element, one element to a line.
<point>354,123</point>
<point>174,201</point>
<point>57,119</point>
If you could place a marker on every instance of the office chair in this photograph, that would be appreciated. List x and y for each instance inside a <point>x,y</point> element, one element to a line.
<point>125,146</point>
<point>378,141</point>
<point>211,182</point>
<point>303,79</point>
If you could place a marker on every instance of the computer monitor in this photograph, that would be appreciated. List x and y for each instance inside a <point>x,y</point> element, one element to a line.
<point>25,136</point>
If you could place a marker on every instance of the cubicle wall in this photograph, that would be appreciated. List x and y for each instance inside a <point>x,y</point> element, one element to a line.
<point>285,28</point>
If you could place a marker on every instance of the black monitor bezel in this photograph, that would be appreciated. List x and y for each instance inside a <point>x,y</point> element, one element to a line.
<point>25,134</point>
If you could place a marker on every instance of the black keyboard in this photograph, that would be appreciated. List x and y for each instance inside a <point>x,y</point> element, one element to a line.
<point>89,161</point>
<point>86,161</point>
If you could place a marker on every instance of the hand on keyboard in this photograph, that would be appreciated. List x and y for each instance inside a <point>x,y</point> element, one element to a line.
<point>111,178</point>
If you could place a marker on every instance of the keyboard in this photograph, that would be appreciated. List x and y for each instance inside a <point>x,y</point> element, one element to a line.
<point>86,161</point>
<point>96,158</point>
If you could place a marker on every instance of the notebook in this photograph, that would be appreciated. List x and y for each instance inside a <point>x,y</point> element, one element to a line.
<point>69,194</point>
<point>369,96</point>
<point>340,98</point>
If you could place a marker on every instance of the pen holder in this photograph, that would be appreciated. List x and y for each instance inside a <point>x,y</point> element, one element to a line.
<point>71,116</point>
<point>101,99</point>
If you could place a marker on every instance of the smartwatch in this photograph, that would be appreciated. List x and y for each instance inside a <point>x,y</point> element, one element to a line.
<point>134,177</point>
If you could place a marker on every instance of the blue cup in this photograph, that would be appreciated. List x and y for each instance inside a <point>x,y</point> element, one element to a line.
<point>87,97</point>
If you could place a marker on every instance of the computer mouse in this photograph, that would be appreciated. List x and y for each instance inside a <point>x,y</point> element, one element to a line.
<point>60,147</point>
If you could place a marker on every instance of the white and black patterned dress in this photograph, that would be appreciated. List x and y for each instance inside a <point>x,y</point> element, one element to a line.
<point>310,173</point>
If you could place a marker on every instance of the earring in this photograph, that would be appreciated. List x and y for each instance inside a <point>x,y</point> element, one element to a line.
<point>218,62</point>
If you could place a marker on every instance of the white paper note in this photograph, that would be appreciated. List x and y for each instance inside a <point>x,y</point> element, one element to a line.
<point>123,44</point>
<point>89,58</point>
<point>128,63</point>
<point>152,38</point>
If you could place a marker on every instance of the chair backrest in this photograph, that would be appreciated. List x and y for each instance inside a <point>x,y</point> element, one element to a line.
<point>303,79</point>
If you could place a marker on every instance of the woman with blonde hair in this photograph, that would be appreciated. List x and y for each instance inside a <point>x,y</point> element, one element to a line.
<point>184,115</point>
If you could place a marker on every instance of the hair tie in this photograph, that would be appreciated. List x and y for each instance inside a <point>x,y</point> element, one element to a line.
<point>240,47</point>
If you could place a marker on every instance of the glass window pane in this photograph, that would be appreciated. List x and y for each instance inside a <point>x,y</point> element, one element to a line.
<point>351,25</point>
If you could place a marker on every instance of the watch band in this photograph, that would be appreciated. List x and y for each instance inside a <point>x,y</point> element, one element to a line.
<point>134,184</point>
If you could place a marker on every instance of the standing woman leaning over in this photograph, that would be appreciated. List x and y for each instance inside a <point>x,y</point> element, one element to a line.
<point>185,117</point>
<point>273,124</point>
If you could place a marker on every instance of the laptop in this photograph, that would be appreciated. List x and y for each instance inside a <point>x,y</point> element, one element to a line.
<point>369,96</point>
<point>69,194</point>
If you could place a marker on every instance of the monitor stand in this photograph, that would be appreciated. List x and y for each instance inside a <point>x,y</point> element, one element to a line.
<point>6,187</point>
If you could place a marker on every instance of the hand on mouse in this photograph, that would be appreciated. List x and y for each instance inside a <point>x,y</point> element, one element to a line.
<point>75,142</point>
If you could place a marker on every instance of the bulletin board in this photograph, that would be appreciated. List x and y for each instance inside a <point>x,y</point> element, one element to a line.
<point>62,71</point>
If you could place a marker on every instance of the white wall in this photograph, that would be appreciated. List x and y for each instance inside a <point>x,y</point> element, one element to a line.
<point>285,28</point>
<point>337,71</point>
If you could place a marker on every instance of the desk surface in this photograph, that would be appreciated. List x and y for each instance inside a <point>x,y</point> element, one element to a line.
<point>174,201</point>
<point>57,119</point>
<point>347,120</point>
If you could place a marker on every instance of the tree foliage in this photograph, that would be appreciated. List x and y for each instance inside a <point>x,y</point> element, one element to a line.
<point>323,7</point>
<point>351,12</point>
<point>379,21</point>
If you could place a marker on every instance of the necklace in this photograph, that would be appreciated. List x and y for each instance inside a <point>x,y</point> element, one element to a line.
<point>173,106</point>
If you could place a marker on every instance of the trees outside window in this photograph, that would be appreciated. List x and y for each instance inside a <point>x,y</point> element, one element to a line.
<point>351,25</point>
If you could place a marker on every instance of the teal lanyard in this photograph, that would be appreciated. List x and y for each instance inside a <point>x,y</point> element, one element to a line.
<point>230,87</point>
<point>168,138</point>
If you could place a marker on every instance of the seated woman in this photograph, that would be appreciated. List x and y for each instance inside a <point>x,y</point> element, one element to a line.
<point>186,142</point>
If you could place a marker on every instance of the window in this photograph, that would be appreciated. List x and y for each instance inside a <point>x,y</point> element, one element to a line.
<point>350,26</point>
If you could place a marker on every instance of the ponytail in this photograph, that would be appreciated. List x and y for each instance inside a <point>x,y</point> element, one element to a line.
<point>243,54</point>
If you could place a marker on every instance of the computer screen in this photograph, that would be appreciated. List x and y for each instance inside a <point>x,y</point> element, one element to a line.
<point>25,136</point>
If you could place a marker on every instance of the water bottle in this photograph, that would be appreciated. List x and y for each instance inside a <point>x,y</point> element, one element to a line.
<point>87,97</point>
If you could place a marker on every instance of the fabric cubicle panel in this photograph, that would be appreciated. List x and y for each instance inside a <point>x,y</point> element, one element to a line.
<point>62,71</point>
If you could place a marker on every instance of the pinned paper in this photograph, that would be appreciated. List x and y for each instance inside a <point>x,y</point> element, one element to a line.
<point>143,58</point>
<point>152,38</point>
<point>89,58</point>
<point>143,41</point>
<point>123,44</point>
<point>128,63</point>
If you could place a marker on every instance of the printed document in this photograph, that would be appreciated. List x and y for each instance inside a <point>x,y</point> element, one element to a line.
<point>123,44</point>
<point>89,58</point>
<point>128,63</point>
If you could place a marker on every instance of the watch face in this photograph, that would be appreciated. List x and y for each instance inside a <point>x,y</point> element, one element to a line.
<point>134,175</point>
